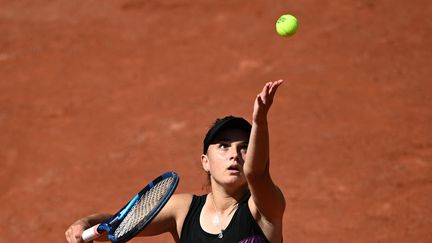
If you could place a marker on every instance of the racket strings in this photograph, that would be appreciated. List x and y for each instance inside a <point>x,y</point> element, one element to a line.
<point>144,206</point>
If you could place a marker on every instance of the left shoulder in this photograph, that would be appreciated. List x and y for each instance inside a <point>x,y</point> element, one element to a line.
<point>271,210</point>
<point>267,199</point>
<point>270,225</point>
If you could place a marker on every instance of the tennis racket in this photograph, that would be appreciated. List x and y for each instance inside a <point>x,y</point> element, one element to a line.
<point>138,212</point>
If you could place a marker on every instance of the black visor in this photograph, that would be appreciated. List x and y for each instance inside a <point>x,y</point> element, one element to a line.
<point>222,124</point>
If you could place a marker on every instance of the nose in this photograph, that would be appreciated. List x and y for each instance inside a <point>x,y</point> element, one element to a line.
<point>236,154</point>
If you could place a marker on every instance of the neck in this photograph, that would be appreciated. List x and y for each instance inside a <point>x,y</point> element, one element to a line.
<point>224,201</point>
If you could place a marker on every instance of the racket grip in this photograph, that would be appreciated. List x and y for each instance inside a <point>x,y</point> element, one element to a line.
<point>91,233</point>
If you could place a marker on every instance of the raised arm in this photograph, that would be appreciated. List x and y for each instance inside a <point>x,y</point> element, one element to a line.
<point>266,196</point>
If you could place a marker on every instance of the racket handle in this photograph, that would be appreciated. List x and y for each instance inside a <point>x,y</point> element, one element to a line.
<point>91,233</point>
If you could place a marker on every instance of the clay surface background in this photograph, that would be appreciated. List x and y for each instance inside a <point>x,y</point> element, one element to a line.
<point>98,97</point>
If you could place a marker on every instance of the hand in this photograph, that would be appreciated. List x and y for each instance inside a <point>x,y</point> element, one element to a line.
<point>74,232</point>
<point>264,100</point>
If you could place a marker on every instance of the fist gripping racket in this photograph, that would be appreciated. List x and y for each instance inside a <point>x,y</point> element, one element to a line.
<point>138,212</point>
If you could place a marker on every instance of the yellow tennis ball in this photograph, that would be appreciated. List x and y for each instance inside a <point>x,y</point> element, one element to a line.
<point>286,25</point>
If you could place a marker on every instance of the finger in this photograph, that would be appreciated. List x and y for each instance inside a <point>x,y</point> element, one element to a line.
<point>79,238</point>
<point>268,87</point>
<point>274,87</point>
<point>70,239</point>
<point>275,84</point>
<point>260,101</point>
<point>68,236</point>
<point>264,92</point>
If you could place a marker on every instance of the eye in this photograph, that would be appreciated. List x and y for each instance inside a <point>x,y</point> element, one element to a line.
<point>243,148</point>
<point>224,145</point>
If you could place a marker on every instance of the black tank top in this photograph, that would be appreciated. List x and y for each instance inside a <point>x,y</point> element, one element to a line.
<point>241,229</point>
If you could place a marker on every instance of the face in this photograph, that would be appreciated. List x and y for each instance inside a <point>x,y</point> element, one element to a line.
<point>225,157</point>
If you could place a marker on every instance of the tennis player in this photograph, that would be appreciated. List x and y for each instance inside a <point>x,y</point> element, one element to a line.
<point>244,204</point>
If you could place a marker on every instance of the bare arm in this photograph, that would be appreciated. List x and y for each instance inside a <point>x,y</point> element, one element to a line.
<point>266,195</point>
<point>170,219</point>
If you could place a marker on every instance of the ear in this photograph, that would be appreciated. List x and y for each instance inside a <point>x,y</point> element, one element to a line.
<point>205,163</point>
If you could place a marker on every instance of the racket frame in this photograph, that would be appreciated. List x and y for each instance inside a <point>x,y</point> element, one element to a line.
<point>111,224</point>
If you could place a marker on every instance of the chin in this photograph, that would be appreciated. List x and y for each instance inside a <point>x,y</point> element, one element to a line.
<point>236,181</point>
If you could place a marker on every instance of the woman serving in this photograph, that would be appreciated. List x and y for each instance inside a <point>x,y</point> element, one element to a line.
<point>244,205</point>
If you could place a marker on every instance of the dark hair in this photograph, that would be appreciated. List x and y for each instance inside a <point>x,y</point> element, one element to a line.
<point>222,124</point>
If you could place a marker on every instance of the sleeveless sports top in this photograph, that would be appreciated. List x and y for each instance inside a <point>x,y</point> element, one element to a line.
<point>241,229</point>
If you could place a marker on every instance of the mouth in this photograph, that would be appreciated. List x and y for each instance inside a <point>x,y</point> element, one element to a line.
<point>234,168</point>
